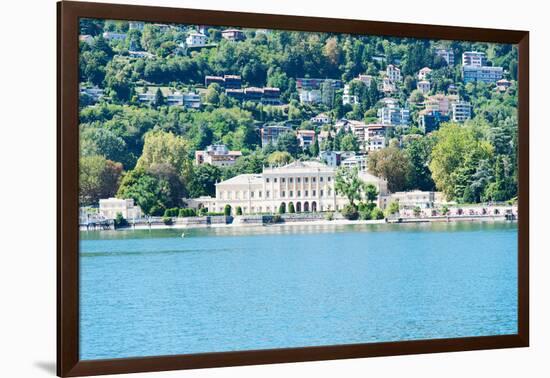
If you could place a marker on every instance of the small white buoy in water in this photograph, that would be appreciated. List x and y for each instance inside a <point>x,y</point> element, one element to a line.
<point>183,234</point>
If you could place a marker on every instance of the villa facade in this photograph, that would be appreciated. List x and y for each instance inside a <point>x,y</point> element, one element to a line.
<point>308,185</point>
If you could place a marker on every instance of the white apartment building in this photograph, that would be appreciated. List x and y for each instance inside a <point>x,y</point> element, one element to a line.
<point>218,155</point>
<point>114,36</point>
<point>95,93</point>
<point>376,137</point>
<point>110,207</point>
<point>461,111</point>
<point>485,74</point>
<point>359,161</point>
<point>195,39</point>
<point>310,96</point>
<point>393,73</point>
<point>192,100</point>
<point>473,58</point>
<point>308,185</point>
<point>321,118</point>
<point>392,114</point>
<point>423,86</point>
<point>137,25</point>
<point>347,98</point>
<point>446,54</point>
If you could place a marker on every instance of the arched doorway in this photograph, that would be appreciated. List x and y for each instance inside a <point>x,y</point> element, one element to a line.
<point>306,207</point>
<point>298,207</point>
<point>314,206</point>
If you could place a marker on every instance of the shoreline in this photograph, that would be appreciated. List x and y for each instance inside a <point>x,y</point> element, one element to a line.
<point>322,222</point>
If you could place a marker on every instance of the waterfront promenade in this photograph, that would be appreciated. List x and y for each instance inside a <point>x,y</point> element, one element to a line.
<point>470,213</point>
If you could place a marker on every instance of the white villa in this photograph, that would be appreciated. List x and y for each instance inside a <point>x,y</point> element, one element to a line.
<point>308,185</point>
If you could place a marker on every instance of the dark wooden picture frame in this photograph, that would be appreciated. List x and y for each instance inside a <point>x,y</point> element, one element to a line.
<point>68,363</point>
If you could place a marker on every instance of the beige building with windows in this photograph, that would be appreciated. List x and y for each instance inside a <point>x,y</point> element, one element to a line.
<point>308,185</point>
<point>110,207</point>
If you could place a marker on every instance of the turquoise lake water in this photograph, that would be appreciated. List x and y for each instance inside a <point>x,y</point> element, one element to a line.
<point>147,293</point>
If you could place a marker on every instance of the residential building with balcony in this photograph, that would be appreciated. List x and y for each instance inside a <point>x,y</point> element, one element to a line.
<point>270,133</point>
<point>393,73</point>
<point>461,111</point>
<point>233,35</point>
<point>218,155</point>
<point>195,39</point>
<point>112,36</point>
<point>305,138</point>
<point>485,74</point>
<point>423,86</point>
<point>392,114</point>
<point>355,161</point>
<point>225,81</point>
<point>474,59</point>
<point>446,54</point>
<point>376,137</point>
<point>321,119</point>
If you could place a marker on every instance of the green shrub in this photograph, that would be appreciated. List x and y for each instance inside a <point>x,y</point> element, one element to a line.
<point>291,209</point>
<point>173,212</point>
<point>167,221</point>
<point>393,208</point>
<point>350,212</point>
<point>377,213</point>
<point>239,210</point>
<point>365,210</point>
<point>186,212</point>
<point>227,210</point>
<point>156,211</point>
<point>416,211</point>
<point>120,221</point>
<point>329,216</point>
<point>282,208</point>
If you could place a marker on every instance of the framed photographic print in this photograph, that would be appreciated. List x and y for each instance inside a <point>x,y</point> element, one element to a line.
<point>238,188</point>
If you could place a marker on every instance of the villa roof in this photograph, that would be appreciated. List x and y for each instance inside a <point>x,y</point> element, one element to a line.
<point>301,167</point>
<point>252,178</point>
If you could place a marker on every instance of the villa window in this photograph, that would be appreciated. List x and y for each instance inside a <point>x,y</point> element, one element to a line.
<point>305,180</point>
<point>282,179</point>
<point>307,193</point>
<point>313,179</point>
<point>290,180</point>
<point>251,194</point>
<point>299,193</point>
<point>321,179</point>
<point>275,180</point>
<point>282,193</point>
<point>267,180</point>
<point>314,193</point>
<point>260,193</point>
<point>298,180</point>
<point>266,194</point>
<point>328,179</point>
<point>291,193</point>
